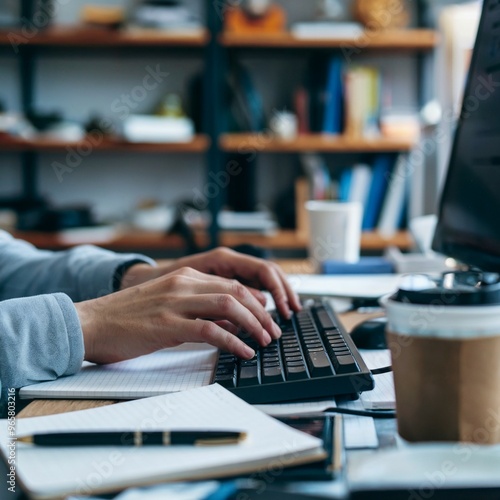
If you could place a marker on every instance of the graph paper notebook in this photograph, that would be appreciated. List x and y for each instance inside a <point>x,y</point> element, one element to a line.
<point>56,472</point>
<point>171,370</point>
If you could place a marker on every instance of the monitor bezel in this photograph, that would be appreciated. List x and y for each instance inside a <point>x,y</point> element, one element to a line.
<point>445,239</point>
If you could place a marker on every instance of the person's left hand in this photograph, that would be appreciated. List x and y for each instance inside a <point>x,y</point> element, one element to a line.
<point>251,271</point>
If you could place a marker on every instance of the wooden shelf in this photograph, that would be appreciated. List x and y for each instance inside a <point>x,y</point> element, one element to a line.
<point>78,36</point>
<point>265,142</point>
<point>406,39</point>
<point>199,144</point>
<point>282,240</point>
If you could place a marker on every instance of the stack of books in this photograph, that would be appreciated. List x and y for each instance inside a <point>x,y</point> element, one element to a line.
<point>336,99</point>
<point>382,189</point>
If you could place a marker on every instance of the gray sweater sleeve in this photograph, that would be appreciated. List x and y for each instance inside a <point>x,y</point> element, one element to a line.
<point>82,273</point>
<point>41,339</point>
<point>40,333</point>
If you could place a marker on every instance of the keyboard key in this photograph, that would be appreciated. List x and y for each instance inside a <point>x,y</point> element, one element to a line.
<point>249,375</point>
<point>271,374</point>
<point>291,359</point>
<point>345,364</point>
<point>271,359</point>
<point>324,319</point>
<point>319,364</point>
<point>296,372</point>
<point>315,349</point>
<point>291,350</point>
<point>226,381</point>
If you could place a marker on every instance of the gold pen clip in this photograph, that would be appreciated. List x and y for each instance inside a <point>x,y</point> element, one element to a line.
<point>221,441</point>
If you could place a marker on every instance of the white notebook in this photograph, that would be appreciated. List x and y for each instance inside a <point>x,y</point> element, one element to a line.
<point>170,370</point>
<point>47,472</point>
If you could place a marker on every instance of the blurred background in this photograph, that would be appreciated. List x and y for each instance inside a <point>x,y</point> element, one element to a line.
<point>167,126</point>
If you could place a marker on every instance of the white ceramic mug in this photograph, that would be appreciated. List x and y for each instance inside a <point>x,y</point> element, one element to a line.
<point>334,231</point>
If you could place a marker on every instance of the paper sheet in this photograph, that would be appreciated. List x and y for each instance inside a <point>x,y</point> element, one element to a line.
<point>358,286</point>
<point>382,397</point>
<point>58,471</point>
<point>170,370</point>
<point>426,468</point>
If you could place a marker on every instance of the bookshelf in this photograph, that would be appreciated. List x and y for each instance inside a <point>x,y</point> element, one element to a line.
<point>76,36</point>
<point>199,144</point>
<point>215,48</point>
<point>156,241</point>
<point>408,39</point>
<point>322,143</point>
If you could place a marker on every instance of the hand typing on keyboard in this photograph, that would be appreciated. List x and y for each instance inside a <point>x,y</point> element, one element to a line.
<point>204,298</point>
<point>314,358</point>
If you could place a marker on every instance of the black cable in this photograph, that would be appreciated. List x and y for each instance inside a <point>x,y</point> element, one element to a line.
<point>363,413</point>
<point>379,371</point>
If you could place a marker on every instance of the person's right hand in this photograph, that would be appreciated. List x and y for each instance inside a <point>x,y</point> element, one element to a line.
<point>183,306</point>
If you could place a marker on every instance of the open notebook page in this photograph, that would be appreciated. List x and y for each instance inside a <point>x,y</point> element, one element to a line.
<point>170,370</point>
<point>58,471</point>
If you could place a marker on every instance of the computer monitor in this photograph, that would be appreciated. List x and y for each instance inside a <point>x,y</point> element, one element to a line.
<point>468,226</point>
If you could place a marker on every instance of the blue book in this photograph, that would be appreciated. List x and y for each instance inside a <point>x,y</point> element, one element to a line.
<point>366,265</point>
<point>381,177</point>
<point>332,118</point>
<point>345,184</point>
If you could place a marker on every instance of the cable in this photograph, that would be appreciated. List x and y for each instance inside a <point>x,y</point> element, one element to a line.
<point>379,371</point>
<point>363,413</point>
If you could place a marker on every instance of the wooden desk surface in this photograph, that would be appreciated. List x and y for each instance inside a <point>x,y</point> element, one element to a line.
<point>49,407</point>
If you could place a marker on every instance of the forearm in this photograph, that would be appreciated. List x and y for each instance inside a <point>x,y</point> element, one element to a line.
<point>82,273</point>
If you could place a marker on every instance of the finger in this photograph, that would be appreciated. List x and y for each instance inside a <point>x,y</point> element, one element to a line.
<point>227,325</point>
<point>261,297</point>
<point>293,298</point>
<point>213,334</point>
<point>271,280</point>
<point>242,294</point>
<point>222,306</point>
<point>259,273</point>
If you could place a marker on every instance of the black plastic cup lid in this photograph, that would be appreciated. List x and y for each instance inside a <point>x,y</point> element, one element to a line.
<point>469,288</point>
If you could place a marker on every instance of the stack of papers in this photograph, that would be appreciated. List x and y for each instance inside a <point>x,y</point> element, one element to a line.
<point>46,471</point>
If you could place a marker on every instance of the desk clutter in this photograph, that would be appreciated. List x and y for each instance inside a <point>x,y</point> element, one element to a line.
<point>47,471</point>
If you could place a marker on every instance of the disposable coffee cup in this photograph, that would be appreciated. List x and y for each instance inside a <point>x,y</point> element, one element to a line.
<point>334,231</point>
<point>444,340</point>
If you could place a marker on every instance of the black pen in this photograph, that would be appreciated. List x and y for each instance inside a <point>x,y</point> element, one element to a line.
<point>135,438</point>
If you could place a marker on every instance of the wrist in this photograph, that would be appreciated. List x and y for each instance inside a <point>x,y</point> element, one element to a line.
<point>88,322</point>
<point>133,273</point>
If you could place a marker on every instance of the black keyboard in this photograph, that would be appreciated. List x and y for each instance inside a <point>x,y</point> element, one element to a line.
<point>314,358</point>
